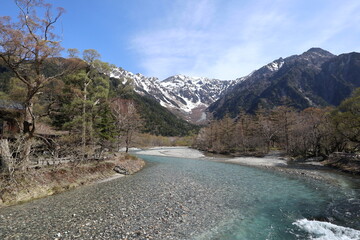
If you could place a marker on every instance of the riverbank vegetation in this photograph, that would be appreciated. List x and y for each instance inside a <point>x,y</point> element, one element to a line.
<point>312,132</point>
<point>63,117</point>
<point>59,177</point>
<point>66,108</point>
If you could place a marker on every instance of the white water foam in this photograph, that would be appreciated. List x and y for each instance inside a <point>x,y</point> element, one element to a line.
<point>327,231</point>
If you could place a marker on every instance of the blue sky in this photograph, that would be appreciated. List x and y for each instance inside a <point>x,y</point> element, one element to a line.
<point>223,39</point>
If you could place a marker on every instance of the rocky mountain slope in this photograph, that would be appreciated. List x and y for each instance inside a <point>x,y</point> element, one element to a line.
<point>185,96</point>
<point>315,78</point>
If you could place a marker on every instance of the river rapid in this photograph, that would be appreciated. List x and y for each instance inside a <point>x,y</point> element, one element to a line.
<point>182,194</point>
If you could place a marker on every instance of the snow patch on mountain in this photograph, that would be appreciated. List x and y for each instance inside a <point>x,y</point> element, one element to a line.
<point>187,96</point>
<point>275,65</point>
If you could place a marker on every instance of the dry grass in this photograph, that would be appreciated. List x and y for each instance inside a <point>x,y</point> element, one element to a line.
<point>37,183</point>
<point>130,163</point>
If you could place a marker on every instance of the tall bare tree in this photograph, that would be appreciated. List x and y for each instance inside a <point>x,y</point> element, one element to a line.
<point>267,127</point>
<point>284,117</point>
<point>26,46</point>
<point>128,120</point>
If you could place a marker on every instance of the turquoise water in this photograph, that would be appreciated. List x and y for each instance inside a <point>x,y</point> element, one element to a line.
<point>270,205</point>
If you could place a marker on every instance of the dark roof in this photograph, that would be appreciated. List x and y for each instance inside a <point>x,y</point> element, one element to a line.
<point>7,104</point>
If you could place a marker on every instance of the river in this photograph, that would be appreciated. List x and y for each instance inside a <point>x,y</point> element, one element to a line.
<point>190,197</point>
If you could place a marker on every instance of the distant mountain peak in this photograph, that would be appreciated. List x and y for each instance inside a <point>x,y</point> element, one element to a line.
<point>180,76</point>
<point>184,78</point>
<point>315,78</point>
<point>318,51</point>
<point>187,96</point>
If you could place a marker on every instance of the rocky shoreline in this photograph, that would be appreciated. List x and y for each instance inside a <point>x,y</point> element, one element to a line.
<point>320,171</point>
<point>346,162</point>
<point>49,180</point>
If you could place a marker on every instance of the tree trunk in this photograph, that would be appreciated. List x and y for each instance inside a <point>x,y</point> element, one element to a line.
<point>83,139</point>
<point>28,133</point>
<point>25,154</point>
<point>6,158</point>
<point>286,135</point>
<point>127,140</point>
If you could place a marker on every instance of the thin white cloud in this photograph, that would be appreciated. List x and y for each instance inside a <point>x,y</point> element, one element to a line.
<point>331,22</point>
<point>229,39</point>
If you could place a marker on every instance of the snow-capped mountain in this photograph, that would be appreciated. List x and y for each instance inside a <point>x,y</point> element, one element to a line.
<point>193,92</point>
<point>315,78</point>
<point>187,96</point>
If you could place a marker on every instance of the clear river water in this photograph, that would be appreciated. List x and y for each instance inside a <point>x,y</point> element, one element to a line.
<point>191,197</point>
<point>272,205</point>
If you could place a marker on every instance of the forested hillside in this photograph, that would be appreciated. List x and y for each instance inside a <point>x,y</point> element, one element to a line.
<point>157,119</point>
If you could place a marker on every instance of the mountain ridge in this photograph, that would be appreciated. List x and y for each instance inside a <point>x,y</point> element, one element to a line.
<point>315,78</point>
<point>185,96</point>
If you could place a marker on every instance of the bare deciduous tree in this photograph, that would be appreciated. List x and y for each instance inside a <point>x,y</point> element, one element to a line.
<point>25,47</point>
<point>8,155</point>
<point>128,120</point>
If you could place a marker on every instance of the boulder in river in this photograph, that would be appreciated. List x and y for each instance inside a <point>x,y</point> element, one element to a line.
<point>121,170</point>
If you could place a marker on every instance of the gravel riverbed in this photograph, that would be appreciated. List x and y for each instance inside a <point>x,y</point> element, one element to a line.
<point>180,198</point>
<point>160,202</point>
